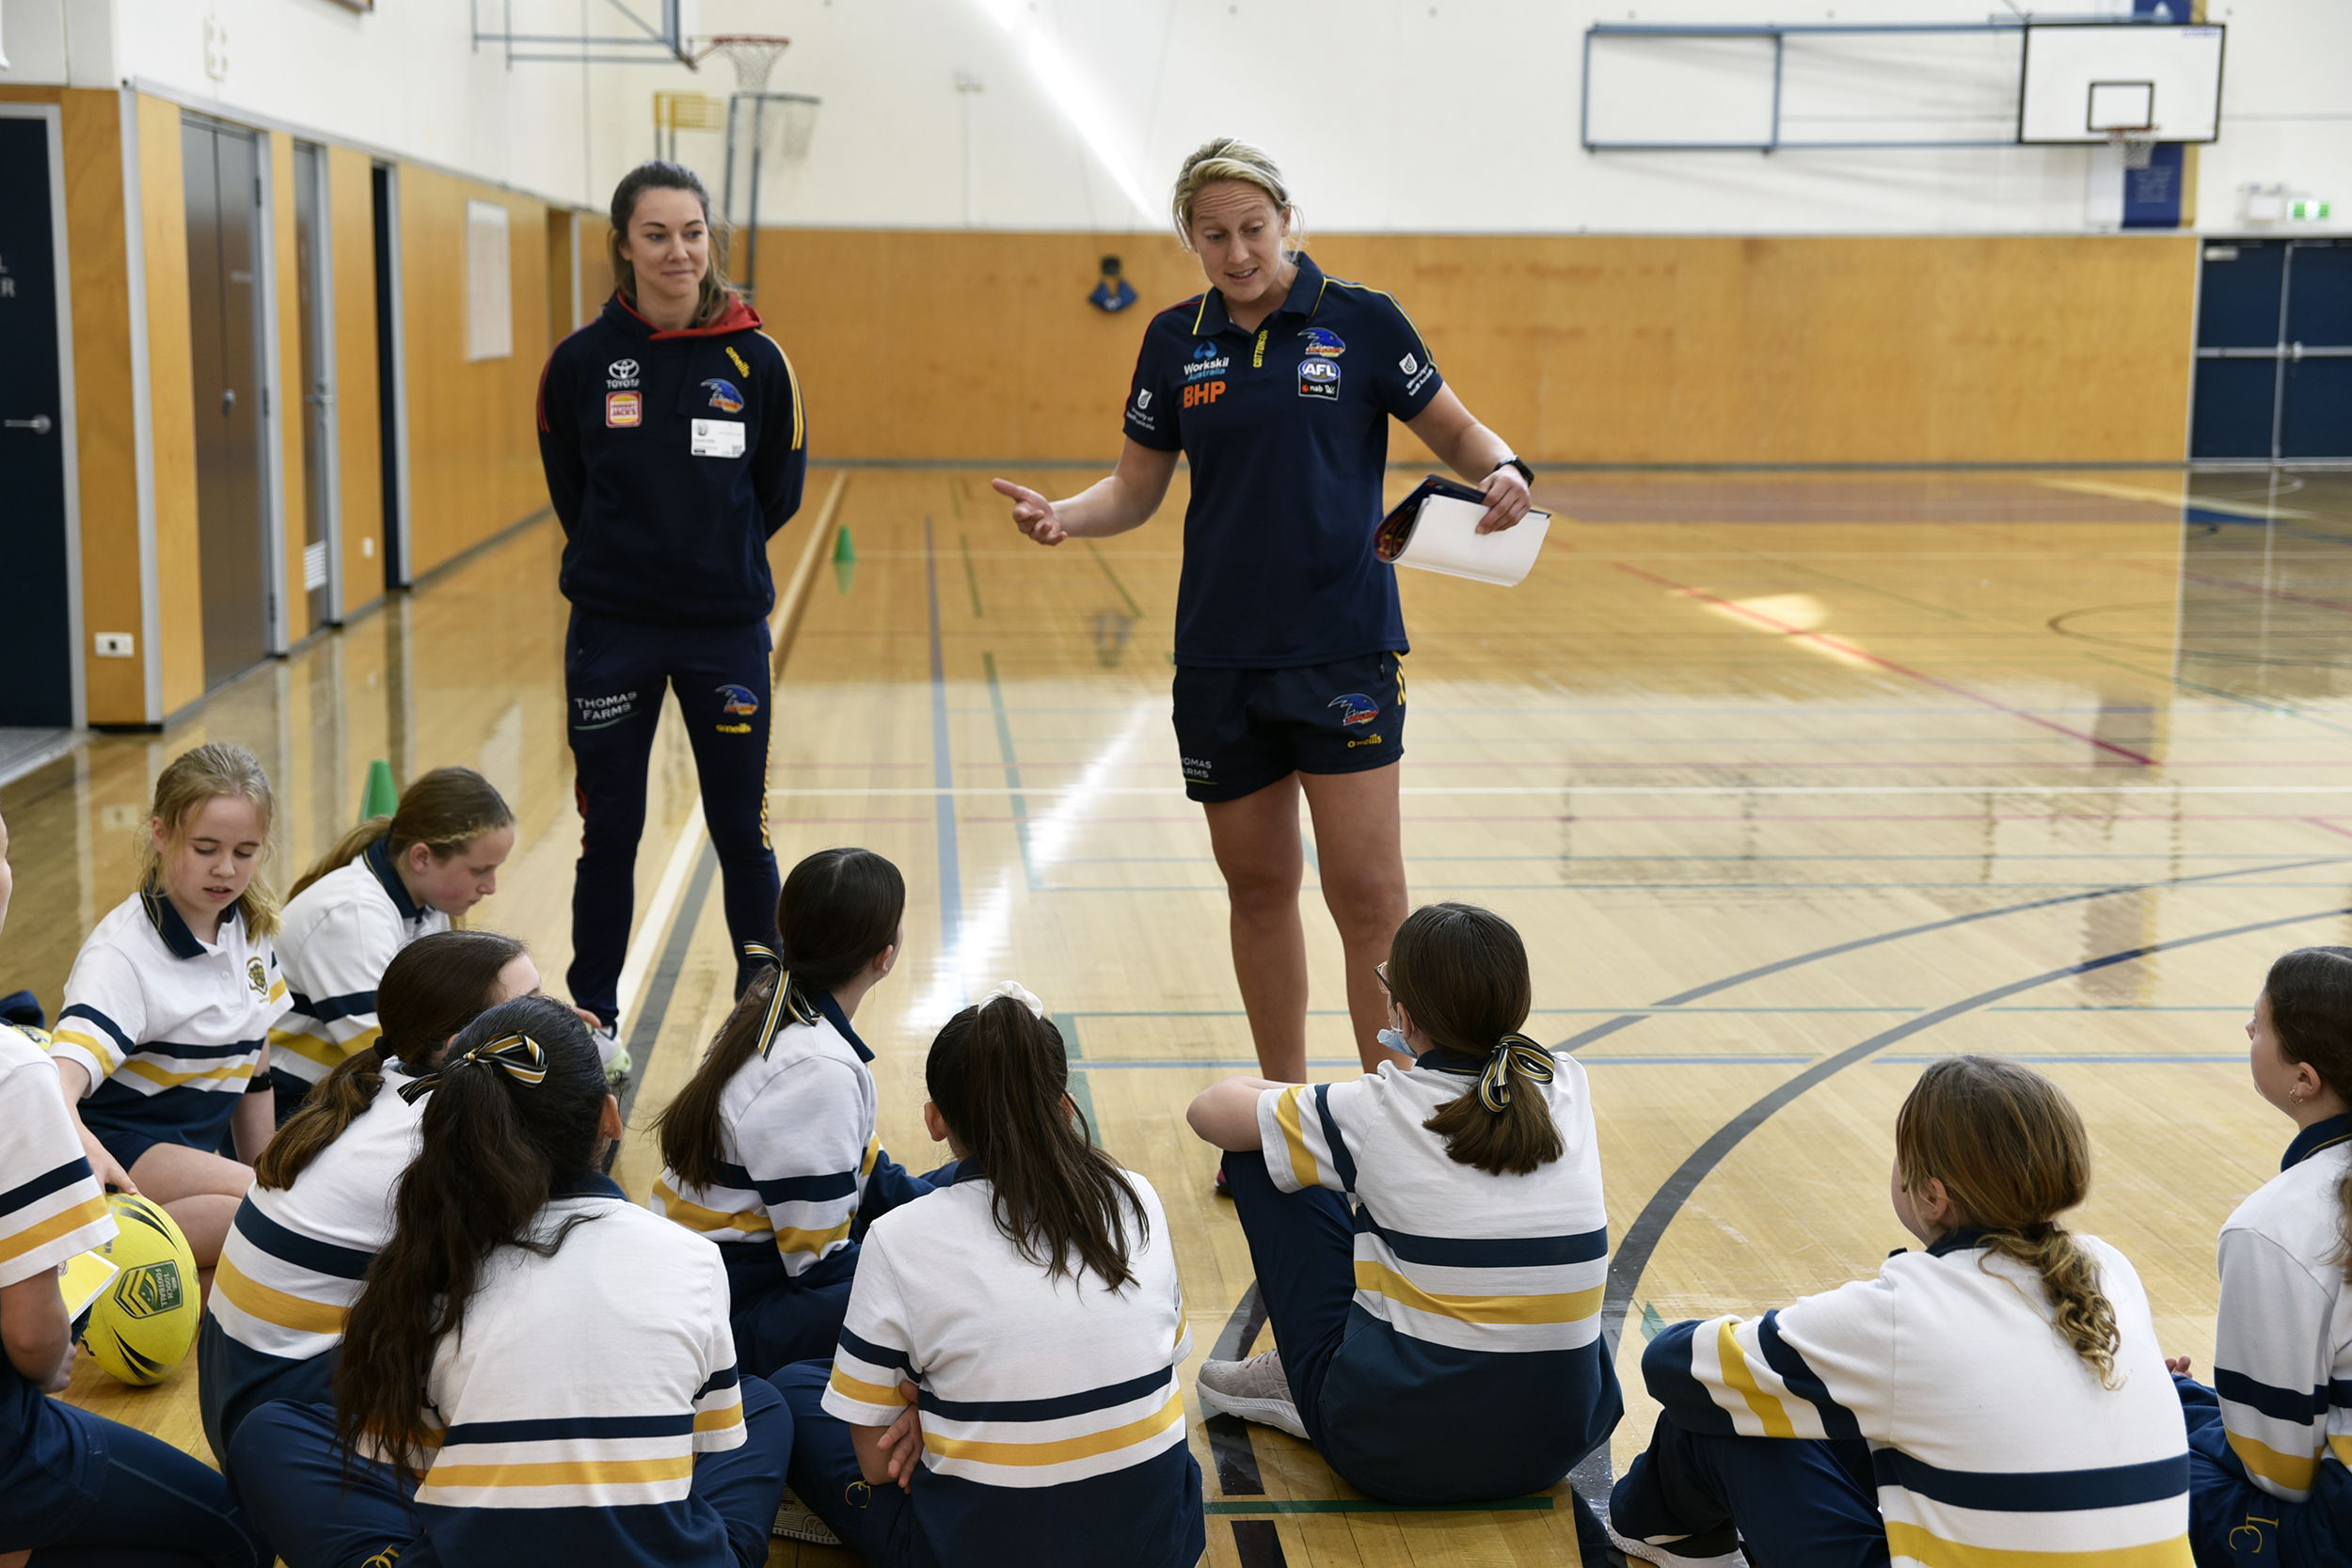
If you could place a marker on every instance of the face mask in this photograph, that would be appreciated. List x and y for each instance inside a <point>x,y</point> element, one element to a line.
<point>1393,1040</point>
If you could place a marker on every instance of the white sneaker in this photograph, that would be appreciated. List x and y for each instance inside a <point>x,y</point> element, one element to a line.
<point>797,1521</point>
<point>1665,1556</point>
<point>1255,1390</point>
<point>618,1065</point>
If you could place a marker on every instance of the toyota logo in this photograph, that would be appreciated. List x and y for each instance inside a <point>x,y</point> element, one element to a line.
<point>622,369</point>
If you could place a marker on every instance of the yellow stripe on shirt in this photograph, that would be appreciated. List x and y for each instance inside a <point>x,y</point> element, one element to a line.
<point>566,1472</point>
<point>1736,1372</point>
<point>326,1054</point>
<point>42,1233</point>
<point>719,1420</point>
<point>1568,1307</point>
<point>861,1391</point>
<point>1295,1137</point>
<point>273,1305</point>
<point>1910,1541</point>
<point>2294,1471</point>
<point>162,1079</point>
<point>695,1217</point>
<point>791,1240</point>
<point>108,1057</point>
<point>1061,1451</point>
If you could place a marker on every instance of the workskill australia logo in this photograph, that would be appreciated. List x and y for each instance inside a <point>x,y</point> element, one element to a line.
<point>1324,344</point>
<point>738,700</point>
<point>1355,708</point>
<point>723,397</point>
<point>1206,362</point>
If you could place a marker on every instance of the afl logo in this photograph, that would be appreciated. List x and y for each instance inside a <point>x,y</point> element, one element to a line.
<point>723,397</point>
<point>1355,708</point>
<point>1318,370</point>
<point>738,700</point>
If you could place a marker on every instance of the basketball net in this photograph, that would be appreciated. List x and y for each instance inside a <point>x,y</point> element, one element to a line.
<point>751,55</point>
<point>2135,147</point>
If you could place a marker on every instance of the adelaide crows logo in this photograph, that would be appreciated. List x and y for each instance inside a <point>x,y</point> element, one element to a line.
<point>1355,708</point>
<point>738,700</point>
<point>723,396</point>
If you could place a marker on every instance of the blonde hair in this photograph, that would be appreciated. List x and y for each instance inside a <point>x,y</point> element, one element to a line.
<point>445,810</point>
<point>714,297</point>
<point>2013,1155</point>
<point>1231,158</point>
<point>188,781</point>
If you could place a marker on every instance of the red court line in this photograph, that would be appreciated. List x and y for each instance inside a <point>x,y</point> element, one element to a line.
<point>1852,652</point>
<point>2326,825</point>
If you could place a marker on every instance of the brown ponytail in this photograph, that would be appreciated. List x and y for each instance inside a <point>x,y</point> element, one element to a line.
<point>839,908</point>
<point>715,295</point>
<point>999,1076</point>
<point>2013,1155</point>
<point>2310,1014</point>
<point>445,810</point>
<point>431,990</point>
<point>494,1147</point>
<point>1461,973</point>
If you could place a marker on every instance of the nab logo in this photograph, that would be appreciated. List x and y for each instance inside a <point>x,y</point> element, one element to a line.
<point>738,700</point>
<point>1355,708</point>
<point>1208,391</point>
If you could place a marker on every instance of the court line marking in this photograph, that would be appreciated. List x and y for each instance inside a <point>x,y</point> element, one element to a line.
<point>2043,792</point>
<point>1840,647</point>
<point>942,765</point>
<point>1630,1259</point>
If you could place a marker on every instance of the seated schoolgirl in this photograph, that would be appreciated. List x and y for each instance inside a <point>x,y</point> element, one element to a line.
<point>536,1369</point>
<point>1466,1285</point>
<point>388,881</point>
<point>770,1150</point>
<point>162,1047</point>
<point>76,1488</point>
<point>1030,1310</point>
<point>2269,1441</point>
<point>320,1206</point>
<point>1998,1397</point>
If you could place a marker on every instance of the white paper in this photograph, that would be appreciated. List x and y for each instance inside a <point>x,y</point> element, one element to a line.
<point>1446,539</point>
<point>718,438</point>
<point>489,283</point>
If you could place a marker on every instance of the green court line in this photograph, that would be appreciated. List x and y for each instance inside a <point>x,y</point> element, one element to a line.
<point>972,580</point>
<point>1012,764</point>
<point>1366,1505</point>
<point>1133,608</point>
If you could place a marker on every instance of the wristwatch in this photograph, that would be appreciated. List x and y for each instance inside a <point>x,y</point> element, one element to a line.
<point>1525,472</point>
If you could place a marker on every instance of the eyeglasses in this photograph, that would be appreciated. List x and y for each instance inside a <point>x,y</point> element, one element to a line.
<point>1381,973</point>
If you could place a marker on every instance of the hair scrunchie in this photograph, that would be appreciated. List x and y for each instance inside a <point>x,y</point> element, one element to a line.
<point>787,997</point>
<point>1015,991</point>
<point>1494,1084</point>
<point>518,1056</point>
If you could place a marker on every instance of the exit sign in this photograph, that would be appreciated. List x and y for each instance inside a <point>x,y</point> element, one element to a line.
<point>2309,212</point>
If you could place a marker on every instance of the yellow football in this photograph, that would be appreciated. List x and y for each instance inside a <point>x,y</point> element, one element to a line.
<point>142,1324</point>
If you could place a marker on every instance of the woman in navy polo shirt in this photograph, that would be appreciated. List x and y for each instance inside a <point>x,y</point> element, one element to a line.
<point>1278,382</point>
<point>674,445</point>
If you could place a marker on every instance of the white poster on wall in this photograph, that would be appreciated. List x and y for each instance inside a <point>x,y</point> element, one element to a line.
<point>489,283</point>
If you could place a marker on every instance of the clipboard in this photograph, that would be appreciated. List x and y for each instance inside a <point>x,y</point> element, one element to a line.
<point>1435,530</point>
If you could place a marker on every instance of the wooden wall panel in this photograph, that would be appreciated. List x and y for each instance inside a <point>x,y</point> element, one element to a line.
<point>473,446</point>
<point>293,392</point>
<point>171,393</point>
<point>1591,349</point>
<point>350,250</point>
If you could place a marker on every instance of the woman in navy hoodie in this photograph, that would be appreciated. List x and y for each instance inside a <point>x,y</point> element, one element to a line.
<point>674,443</point>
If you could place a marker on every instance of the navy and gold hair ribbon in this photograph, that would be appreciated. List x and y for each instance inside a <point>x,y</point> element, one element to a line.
<point>518,1056</point>
<point>786,997</point>
<point>1532,1060</point>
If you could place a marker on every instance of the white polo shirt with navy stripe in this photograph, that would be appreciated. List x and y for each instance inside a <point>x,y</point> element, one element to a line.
<point>1478,1296</point>
<point>1051,1411</point>
<point>50,1209</point>
<point>170,1028</point>
<point>572,1399</point>
<point>337,937</point>
<point>294,1261</point>
<point>798,1146</point>
<point>2283,1353</point>
<point>1992,1441</point>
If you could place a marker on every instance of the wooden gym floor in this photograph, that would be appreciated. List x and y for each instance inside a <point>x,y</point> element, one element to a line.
<point>1793,781</point>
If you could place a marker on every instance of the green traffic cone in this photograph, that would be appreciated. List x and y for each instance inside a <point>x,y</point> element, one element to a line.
<point>382,796</point>
<point>844,560</point>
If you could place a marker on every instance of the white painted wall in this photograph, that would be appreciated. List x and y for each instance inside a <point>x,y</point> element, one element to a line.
<point>1411,114</point>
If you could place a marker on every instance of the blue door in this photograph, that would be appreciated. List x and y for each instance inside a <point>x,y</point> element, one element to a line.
<point>2274,352</point>
<point>37,633</point>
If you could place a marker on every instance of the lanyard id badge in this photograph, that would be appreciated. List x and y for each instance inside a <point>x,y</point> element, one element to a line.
<point>718,438</point>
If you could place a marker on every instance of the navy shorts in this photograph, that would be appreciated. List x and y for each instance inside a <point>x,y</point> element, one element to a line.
<point>1238,731</point>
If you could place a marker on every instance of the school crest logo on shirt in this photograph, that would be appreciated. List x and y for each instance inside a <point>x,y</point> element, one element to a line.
<point>723,397</point>
<point>1355,708</point>
<point>257,977</point>
<point>1324,344</point>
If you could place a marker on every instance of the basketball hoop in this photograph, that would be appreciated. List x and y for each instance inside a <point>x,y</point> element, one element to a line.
<point>751,55</point>
<point>2135,146</point>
